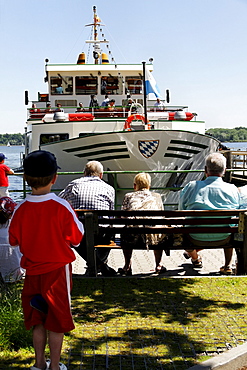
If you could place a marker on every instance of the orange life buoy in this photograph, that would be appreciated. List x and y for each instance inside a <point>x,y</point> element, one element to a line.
<point>133,117</point>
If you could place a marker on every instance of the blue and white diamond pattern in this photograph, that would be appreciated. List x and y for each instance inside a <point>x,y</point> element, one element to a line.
<point>148,147</point>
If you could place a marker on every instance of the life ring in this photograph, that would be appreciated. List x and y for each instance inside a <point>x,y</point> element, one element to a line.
<point>134,117</point>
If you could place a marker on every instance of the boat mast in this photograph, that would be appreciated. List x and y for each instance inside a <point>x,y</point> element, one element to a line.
<point>96,43</point>
<point>144,92</point>
<point>95,23</point>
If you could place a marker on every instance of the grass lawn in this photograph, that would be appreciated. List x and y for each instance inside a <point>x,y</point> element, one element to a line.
<point>154,323</point>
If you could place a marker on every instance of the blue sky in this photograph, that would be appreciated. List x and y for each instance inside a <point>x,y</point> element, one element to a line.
<point>199,49</point>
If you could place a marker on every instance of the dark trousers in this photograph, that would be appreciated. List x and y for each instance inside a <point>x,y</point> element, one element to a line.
<point>101,253</point>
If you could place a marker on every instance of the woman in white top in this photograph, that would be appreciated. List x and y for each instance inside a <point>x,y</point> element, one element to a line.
<point>141,198</point>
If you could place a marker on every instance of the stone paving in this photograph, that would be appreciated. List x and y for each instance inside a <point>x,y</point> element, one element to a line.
<point>177,266</point>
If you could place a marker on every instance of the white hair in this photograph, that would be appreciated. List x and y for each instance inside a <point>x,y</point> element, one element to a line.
<point>93,168</point>
<point>216,164</point>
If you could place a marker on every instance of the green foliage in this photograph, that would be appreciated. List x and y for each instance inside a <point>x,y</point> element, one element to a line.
<point>229,135</point>
<point>13,139</point>
<point>13,334</point>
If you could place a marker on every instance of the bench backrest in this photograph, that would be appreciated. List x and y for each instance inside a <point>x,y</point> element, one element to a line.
<point>218,221</point>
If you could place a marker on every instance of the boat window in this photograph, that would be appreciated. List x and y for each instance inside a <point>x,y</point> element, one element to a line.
<point>133,85</point>
<point>125,102</point>
<point>66,103</point>
<point>61,85</point>
<point>50,138</point>
<point>140,101</point>
<point>86,85</point>
<point>111,85</point>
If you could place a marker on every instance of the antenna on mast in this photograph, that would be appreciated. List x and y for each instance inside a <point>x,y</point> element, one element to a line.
<point>96,43</point>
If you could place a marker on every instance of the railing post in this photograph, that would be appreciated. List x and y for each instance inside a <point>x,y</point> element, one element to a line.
<point>115,187</point>
<point>228,174</point>
<point>24,187</point>
<point>89,235</point>
<point>244,254</point>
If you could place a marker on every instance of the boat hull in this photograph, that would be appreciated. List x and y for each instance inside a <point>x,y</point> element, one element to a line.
<point>146,150</point>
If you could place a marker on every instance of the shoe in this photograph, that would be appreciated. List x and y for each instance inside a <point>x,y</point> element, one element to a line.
<point>107,270</point>
<point>37,368</point>
<point>88,273</point>
<point>61,366</point>
<point>197,263</point>
<point>186,255</point>
<point>123,272</point>
<point>160,270</point>
<point>226,270</point>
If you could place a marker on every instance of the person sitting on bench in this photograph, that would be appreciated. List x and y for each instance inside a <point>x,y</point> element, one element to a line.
<point>91,192</point>
<point>142,198</point>
<point>211,193</point>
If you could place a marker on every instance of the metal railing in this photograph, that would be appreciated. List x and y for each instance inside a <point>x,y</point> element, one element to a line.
<point>25,188</point>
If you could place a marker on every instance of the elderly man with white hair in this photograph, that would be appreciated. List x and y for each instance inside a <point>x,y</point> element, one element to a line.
<point>211,193</point>
<point>91,192</point>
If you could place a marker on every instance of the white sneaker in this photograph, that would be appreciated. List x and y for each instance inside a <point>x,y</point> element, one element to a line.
<point>61,366</point>
<point>37,368</point>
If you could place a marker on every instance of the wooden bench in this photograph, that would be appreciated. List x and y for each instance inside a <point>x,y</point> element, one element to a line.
<point>116,223</point>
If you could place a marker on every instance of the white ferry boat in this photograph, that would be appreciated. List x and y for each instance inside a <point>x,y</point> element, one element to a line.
<point>128,134</point>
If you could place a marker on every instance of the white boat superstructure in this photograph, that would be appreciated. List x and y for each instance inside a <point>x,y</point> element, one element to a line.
<point>128,132</point>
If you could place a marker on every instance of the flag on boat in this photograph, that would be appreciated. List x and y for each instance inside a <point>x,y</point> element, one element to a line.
<point>151,85</point>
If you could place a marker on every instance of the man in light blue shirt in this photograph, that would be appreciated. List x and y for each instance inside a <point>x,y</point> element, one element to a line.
<point>211,193</point>
<point>59,89</point>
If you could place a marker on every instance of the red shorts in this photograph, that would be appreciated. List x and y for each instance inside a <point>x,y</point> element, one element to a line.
<point>55,288</point>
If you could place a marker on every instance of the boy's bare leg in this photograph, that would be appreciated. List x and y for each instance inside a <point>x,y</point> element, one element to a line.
<point>39,343</point>
<point>55,341</point>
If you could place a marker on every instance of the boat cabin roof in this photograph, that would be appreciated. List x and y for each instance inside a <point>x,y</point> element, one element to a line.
<point>97,67</point>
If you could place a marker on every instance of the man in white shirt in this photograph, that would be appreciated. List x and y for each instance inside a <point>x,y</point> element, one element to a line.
<point>159,105</point>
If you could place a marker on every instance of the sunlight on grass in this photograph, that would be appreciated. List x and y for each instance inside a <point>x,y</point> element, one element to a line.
<point>151,323</point>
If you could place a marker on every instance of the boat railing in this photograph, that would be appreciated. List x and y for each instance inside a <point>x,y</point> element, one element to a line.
<point>98,112</point>
<point>237,160</point>
<point>114,180</point>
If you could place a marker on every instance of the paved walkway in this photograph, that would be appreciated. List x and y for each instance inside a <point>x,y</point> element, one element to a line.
<point>176,264</point>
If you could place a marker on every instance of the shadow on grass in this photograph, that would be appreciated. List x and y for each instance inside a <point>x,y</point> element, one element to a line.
<point>149,324</point>
<point>144,321</point>
<point>148,297</point>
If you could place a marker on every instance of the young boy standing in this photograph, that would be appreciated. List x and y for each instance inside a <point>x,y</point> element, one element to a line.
<point>4,181</point>
<point>45,227</point>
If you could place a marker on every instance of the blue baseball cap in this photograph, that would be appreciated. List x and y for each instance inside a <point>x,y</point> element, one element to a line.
<point>2,157</point>
<point>40,163</point>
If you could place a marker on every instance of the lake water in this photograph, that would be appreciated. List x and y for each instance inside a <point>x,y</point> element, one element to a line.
<point>14,154</point>
<point>237,146</point>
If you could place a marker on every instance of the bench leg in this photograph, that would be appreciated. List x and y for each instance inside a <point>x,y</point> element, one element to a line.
<point>245,245</point>
<point>242,250</point>
<point>240,260</point>
<point>91,258</point>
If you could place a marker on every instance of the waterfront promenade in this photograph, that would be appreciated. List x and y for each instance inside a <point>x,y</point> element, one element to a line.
<point>176,264</point>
